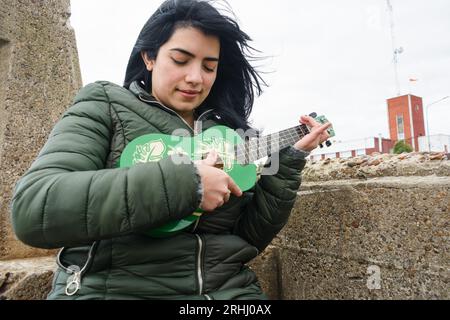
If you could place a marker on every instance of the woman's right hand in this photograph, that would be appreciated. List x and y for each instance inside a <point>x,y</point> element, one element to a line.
<point>217,185</point>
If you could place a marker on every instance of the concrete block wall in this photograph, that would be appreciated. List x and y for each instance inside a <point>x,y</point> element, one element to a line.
<point>365,236</point>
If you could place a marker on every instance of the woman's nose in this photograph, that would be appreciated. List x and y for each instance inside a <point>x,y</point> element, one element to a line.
<point>194,75</point>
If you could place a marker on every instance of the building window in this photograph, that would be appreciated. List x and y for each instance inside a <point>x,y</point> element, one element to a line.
<point>400,128</point>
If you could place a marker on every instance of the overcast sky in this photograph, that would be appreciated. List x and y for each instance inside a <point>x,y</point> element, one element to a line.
<point>331,57</point>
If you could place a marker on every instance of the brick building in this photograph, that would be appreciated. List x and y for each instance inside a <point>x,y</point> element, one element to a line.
<point>406,120</point>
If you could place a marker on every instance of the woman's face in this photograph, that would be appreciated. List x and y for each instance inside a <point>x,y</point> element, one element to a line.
<point>185,69</point>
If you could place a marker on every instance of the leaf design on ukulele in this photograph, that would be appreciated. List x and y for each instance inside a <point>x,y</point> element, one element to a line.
<point>149,152</point>
<point>224,149</point>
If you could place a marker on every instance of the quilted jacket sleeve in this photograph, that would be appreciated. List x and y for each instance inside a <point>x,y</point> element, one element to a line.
<point>274,197</point>
<point>68,198</point>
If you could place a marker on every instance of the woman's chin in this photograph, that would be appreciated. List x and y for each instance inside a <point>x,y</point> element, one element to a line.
<point>185,107</point>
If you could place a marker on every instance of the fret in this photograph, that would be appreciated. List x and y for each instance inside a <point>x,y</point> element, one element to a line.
<point>253,154</point>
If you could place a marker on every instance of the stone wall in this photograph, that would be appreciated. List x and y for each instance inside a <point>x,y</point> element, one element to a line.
<point>26,279</point>
<point>365,228</point>
<point>39,75</point>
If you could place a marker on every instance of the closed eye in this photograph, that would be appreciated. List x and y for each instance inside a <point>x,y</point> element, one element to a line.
<point>179,62</point>
<point>209,69</point>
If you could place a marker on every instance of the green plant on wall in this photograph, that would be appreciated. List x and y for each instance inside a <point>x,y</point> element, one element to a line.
<point>401,147</point>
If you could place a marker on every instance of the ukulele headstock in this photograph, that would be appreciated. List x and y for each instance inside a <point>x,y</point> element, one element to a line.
<point>322,119</point>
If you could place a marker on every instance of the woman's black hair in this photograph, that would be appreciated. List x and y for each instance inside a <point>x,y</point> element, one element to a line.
<point>232,94</point>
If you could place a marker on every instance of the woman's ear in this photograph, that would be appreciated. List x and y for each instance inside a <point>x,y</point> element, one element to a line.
<point>148,62</point>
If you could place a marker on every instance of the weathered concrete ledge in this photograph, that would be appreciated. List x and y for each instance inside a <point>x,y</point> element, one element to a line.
<point>378,165</point>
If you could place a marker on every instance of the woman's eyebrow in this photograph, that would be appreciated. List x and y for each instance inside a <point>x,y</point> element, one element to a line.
<point>193,55</point>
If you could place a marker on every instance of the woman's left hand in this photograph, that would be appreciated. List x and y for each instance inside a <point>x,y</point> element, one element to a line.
<point>318,134</point>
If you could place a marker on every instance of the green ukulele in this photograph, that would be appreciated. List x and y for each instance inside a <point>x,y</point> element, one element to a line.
<point>236,156</point>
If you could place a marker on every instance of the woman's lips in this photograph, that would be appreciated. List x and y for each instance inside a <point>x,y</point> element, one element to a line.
<point>190,94</point>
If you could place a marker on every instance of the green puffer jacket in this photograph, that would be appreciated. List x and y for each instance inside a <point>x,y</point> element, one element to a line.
<point>73,196</point>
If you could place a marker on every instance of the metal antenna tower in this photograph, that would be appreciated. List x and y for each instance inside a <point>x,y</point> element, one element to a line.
<point>396,51</point>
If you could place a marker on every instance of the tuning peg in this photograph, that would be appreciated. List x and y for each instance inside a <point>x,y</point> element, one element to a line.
<point>313,115</point>
<point>328,143</point>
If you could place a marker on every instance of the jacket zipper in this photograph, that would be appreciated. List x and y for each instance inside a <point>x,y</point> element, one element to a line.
<point>197,132</point>
<point>73,284</point>
<point>196,225</point>
<point>199,264</point>
<point>193,131</point>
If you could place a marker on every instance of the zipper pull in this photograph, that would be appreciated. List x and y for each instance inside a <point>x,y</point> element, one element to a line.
<point>73,283</point>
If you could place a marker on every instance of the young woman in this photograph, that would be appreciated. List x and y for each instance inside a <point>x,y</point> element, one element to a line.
<point>188,70</point>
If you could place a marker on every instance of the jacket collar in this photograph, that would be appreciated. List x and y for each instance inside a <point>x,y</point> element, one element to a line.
<point>143,95</point>
<point>140,92</point>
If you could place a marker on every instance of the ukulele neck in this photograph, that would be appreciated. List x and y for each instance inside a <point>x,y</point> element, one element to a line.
<point>259,148</point>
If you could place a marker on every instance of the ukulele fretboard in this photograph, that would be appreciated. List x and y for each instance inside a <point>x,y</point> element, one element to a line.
<point>258,148</point>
